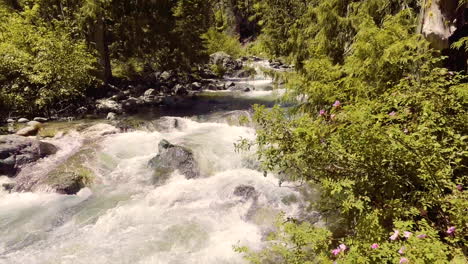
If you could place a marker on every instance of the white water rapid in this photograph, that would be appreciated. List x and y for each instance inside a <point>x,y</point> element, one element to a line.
<point>123,218</point>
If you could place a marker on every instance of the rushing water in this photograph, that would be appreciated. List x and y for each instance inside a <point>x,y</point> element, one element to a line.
<point>124,218</point>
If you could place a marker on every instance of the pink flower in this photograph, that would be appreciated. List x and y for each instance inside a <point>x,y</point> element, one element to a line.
<point>395,235</point>
<point>322,112</point>
<point>404,260</point>
<point>407,234</point>
<point>406,131</point>
<point>375,246</point>
<point>402,250</point>
<point>393,113</point>
<point>422,236</point>
<point>337,104</point>
<point>332,117</point>
<point>342,247</point>
<point>460,187</point>
<point>336,251</point>
<point>451,230</point>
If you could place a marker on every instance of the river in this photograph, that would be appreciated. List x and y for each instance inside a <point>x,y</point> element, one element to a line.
<point>124,218</point>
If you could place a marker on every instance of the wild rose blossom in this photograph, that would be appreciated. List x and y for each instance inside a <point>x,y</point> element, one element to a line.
<point>395,235</point>
<point>393,113</point>
<point>337,104</point>
<point>404,260</point>
<point>332,117</point>
<point>460,187</point>
<point>451,230</point>
<point>322,112</point>
<point>342,247</point>
<point>407,234</point>
<point>375,246</point>
<point>422,236</point>
<point>336,251</point>
<point>402,250</point>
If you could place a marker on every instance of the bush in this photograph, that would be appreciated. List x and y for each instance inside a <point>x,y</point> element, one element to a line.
<point>219,41</point>
<point>40,68</point>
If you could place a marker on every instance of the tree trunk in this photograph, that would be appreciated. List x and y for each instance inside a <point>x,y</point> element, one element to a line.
<point>102,46</point>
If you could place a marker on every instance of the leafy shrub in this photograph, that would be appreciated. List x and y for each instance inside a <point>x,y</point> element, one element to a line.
<point>40,68</point>
<point>383,133</point>
<point>220,41</point>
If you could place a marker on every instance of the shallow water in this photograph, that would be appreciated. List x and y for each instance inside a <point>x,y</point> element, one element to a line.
<point>124,218</point>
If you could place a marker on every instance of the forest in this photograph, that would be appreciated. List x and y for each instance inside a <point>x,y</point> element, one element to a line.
<point>377,120</point>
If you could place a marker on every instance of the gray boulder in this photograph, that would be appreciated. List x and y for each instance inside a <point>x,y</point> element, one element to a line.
<point>17,151</point>
<point>170,158</point>
<point>111,116</point>
<point>108,105</point>
<point>10,120</point>
<point>23,120</point>
<point>226,61</point>
<point>246,192</point>
<point>41,119</point>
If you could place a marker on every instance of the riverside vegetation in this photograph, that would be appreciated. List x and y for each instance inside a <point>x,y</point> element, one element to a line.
<point>379,119</point>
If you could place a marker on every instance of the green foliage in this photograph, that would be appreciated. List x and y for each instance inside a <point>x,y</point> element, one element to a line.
<point>40,68</point>
<point>220,41</point>
<point>378,125</point>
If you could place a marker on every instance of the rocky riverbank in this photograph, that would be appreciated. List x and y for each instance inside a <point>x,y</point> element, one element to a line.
<point>159,89</point>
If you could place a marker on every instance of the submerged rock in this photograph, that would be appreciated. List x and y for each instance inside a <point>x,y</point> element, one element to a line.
<point>17,151</point>
<point>172,157</point>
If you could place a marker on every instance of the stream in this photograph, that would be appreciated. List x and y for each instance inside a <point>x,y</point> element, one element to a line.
<point>125,218</point>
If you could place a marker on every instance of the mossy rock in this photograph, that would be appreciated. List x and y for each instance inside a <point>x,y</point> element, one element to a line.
<point>73,175</point>
<point>69,182</point>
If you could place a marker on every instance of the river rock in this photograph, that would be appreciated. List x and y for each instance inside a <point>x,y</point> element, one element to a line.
<point>17,151</point>
<point>180,90</point>
<point>242,87</point>
<point>150,92</point>
<point>111,116</point>
<point>41,119</point>
<point>165,76</point>
<point>10,120</point>
<point>29,130</point>
<point>100,130</point>
<point>226,61</point>
<point>66,182</point>
<point>246,192</point>
<point>196,86</point>
<point>130,105</point>
<point>108,105</point>
<point>170,158</point>
<point>23,120</point>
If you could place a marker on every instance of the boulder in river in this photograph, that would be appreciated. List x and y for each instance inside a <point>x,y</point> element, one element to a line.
<point>246,192</point>
<point>172,157</point>
<point>31,130</point>
<point>241,87</point>
<point>17,151</point>
<point>111,116</point>
<point>23,120</point>
<point>41,119</point>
